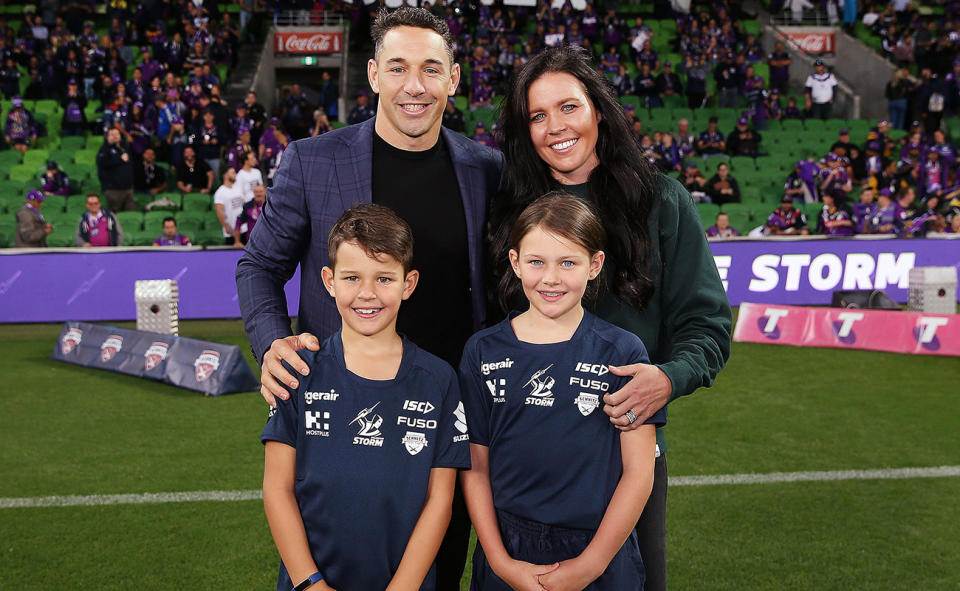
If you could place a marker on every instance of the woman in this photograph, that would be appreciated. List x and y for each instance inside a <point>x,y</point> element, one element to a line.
<point>897,90</point>
<point>722,187</point>
<point>563,127</point>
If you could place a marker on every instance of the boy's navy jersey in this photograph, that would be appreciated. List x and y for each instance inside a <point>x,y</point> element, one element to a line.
<point>365,449</point>
<point>554,455</point>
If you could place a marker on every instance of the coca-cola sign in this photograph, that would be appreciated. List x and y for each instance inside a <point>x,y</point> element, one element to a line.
<point>811,42</point>
<point>308,42</point>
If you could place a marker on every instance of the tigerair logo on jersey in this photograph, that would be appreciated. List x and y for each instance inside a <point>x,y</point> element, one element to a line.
<point>205,364</point>
<point>414,442</point>
<point>71,340</point>
<point>311,397</point>
<point>369,424</point>
<point>154,355</point>
<point>110,347</point>
<point>316,423</point>
<point>542,393</point>
<point>587,403</point>
<point>498,389</point>
<point>486,368</point>
<point>460,423</point>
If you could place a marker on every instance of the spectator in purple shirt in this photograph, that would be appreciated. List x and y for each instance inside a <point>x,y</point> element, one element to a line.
<point>55,181</point>
<point>864,210</point>
<point>170,237</point>
<point>835,220</point>
<point>722,228</point>
<point>20,131</point>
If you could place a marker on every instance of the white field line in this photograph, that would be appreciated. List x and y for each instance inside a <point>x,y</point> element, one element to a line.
<point>254,495</point>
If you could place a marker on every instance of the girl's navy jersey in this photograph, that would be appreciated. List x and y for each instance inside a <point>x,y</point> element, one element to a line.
<point>365,449</point>
<point>554,455</point>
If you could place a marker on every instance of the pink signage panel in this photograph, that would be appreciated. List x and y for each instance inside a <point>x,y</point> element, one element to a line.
<point>875,330</point>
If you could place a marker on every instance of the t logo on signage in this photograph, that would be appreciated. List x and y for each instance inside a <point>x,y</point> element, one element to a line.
<point>768,322</point>
<point>844,328</point>
<point>926,333</point>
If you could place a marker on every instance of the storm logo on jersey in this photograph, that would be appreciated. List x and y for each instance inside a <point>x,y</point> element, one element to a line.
<point>542,393</point>
<point>369,423</point>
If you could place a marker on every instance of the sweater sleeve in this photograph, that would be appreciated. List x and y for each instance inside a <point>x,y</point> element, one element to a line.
<point>697,320</point>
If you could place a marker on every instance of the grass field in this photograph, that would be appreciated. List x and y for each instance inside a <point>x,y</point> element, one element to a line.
<point>66,430</point>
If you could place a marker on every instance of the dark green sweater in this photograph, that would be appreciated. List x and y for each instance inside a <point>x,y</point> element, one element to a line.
<point>686,324</point>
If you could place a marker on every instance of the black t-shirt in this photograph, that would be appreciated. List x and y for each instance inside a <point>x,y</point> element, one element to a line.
<point>421,187</point>
<point>195,175</point>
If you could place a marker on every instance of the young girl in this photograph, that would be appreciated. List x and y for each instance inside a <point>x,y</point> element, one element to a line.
<point>556,488</point>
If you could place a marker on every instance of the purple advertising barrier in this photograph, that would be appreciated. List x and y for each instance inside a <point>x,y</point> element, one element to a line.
<point>89,286</point>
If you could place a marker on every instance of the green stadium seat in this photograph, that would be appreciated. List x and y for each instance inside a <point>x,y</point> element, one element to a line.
<point>140,237</point>
<point>36,157</point>
<point>742,164</point>
<point>812,211</point>
<point>792,125</point>
<point>61,237</point>
<point>131,221</point>
<point>86,157</point>
<point>196,202</point>
<point>24,173</point>
<point>76,204</point>
<point>55,203</point>
<point>708,213</point>
<point>153,220</point>
<point>73,143</point>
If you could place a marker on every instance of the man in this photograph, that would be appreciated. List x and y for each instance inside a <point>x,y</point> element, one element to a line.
<point>252,210</point>
<point>819,91</point>
<point>207,140</point>
<point>779,62</point>
<point>743,141</point>
<point>170,237</point>
<point>843,141</point>
<point>787,220</point>
<point>54,181</point>
<point>668,83</point>
<point>362,111</point>
<point>403,159</point>
<point>147,176</point>
<point>194,176</point>
<point>20,130</point>
<point>729,80</point>
<point>453,117</point>
<point>32,229</point>
<point>115,169</point>
<point>329,95</point>
<point>711,141</point>
<point>98,226</point>
<point>249,177</point>
<point>228,202</point>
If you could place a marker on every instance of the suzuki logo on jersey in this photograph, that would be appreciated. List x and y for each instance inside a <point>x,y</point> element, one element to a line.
<point>414,442</point>
<point>71,340</point>
<point>417,422</point>
<point>311,397</point>
<point>542,393</point>
<point>926,332</point>
<point>418,406</point>
<point>460,422</point>
<point>154,355</point>
<point>597,368</point>
<point>205,364</point>
<point>486,368</point>
<point>315,423</point>
<point>587,403</point>
<point>110,347</point>
<point>768,322</point>
<point>589,384</point>
<point>497,389</point>
<point>369,424</point>
<point>844,327</point>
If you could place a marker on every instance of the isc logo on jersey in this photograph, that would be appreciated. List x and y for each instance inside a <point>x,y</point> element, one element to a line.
<point>414,442</point>
<point>311,397</point>
<point>369,424</point>
<point>316,423</point>
<point>592,368</point>
<point>542,393</point>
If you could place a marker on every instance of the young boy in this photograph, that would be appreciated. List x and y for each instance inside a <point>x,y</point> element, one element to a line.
<point>361,461</point>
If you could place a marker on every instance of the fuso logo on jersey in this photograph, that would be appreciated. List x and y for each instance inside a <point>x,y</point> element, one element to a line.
<point>110,347</point>
<point>460,422</point>
<point>207,363</point>
<point>542,393</point>
<point>587,403</point>
<point>414,442</point>
<point>369,423</point>
<point>71,340</point>
<point>155,354</point>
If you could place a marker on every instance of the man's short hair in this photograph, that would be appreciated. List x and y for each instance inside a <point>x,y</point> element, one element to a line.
<point>89,195</point>
<point>169,218</point>
<point>377,230</point>
<point>409,16</point>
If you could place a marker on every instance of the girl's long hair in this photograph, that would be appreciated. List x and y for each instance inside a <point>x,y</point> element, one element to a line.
<point>621,187</point>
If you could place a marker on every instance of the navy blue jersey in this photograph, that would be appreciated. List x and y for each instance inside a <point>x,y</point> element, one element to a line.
<point>554,455</point>
<point>365,449</point>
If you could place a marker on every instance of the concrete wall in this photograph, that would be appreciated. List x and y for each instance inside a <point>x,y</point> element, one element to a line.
<point>866,71</point>
<point>265,80</point>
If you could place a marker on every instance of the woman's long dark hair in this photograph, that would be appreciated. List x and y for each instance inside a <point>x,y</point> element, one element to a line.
<point>621,187</point>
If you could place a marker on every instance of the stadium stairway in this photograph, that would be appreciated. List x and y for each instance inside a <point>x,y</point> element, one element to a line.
<point>241,79</point>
